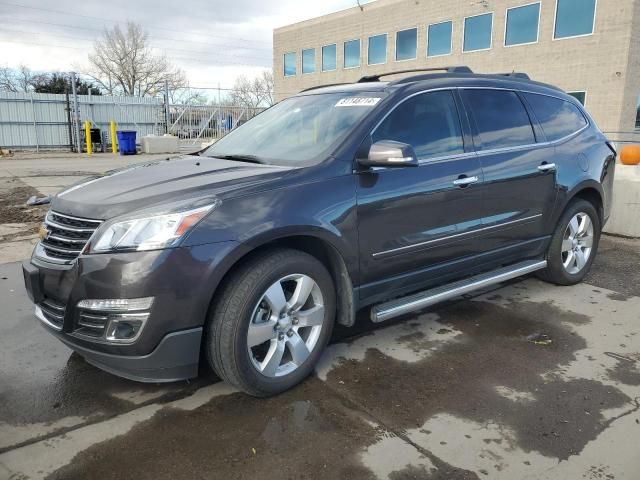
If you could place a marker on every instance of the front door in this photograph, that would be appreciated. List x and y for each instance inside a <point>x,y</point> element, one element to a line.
<point>412,219</point>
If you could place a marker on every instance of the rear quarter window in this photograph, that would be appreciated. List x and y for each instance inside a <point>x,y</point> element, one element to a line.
<point>558,118</point>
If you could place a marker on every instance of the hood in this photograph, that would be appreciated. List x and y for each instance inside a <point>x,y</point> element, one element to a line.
<point>155,183</point>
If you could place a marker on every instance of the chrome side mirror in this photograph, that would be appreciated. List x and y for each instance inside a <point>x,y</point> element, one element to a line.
<point>388,153</point>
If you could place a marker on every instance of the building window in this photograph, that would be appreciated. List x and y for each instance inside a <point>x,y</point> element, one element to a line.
<point>309,60</point>
<point>580,96</point>
<point>289,64</point>
<point>377,53</point>
<point>477,32</point>
<point>574,18</point>
<point>522,25</point>
<point>329,58</point>
<point>352,54</point>
<point>407,44</point>
<point>439,37</point>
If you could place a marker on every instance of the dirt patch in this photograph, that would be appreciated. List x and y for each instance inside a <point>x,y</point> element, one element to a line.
<point>303,433</point>
<point>616,266</point>
<point>492,351</point>
<point>13,208</point>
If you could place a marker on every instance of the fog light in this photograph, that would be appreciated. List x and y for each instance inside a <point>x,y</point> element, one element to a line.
<point>125,328</point>
<point>117,304</point>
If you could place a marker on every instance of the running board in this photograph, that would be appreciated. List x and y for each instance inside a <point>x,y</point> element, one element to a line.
<point>418,301</point>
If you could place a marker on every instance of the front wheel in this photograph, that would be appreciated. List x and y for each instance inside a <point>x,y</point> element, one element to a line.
<point>271,322</point>
<point>573,245</point>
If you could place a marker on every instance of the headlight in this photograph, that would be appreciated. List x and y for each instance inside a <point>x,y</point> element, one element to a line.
<point>148,233</point>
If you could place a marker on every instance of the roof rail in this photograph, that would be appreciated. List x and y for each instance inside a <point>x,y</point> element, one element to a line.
<point>522,75</point>
<point>323,86</point>
<point>376,77</point>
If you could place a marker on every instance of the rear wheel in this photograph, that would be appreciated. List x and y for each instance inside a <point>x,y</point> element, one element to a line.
<point>573,245</point>
<point>271,322</point>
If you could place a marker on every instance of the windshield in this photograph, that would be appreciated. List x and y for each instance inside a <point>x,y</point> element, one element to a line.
<point>297,131</point>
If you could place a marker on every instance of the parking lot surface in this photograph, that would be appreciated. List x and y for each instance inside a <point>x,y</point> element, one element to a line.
<point>528,380</point>
<point>525,381</point>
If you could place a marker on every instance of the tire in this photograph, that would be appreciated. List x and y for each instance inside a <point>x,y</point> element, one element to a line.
<point>248,310</point>
<point>565,265</point>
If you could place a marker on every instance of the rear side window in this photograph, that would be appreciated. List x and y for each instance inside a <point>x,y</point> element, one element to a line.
<point>428,122</point>
<point>557,117</point>
<point>500,117</point>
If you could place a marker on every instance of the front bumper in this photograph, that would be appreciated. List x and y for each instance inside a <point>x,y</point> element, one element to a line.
<point>181,280</point>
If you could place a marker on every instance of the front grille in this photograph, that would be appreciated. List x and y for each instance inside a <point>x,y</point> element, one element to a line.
<point>53,311</point>
<point>67,235</point>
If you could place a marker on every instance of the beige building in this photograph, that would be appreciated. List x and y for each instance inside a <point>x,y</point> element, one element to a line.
<point>590,48</point>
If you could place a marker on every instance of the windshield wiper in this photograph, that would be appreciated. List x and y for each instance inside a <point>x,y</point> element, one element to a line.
<point>242,158</point>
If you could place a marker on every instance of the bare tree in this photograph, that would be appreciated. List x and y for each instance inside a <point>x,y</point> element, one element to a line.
<point>253,93</point>
<point>123,62</point>
<point>21,79</point>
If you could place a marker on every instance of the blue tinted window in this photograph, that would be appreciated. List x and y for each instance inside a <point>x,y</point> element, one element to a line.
<point>557,117</point>
<point>500,117</point>
<point>352,54</point>
<point>477,32</point>
<point>309,60</point>
<point>439,39</point>
<point>522,25</point>
<point>329,57</point>
<point>428,122</point>
<point>638,114</point>
<point>377,49</point>
<point>407,44</point>
<point>574,17</point>
<point>289,64</point>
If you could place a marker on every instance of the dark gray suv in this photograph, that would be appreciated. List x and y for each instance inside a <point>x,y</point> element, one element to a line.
<point>387,195</point>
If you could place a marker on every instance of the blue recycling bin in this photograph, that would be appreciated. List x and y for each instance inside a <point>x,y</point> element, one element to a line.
<point>126,142</point>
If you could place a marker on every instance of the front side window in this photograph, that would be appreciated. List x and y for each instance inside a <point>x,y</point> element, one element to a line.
<point>574,18</point>
<point>329,58</point>
<point>557,118</point>
<point>477,32</point>
<point>377,49</point>
<point>352,54</point>
<point>428,122</point>
<point>289,64</point>
<point>407,44</point>
<point>501,118</point>
<point>439,39</point>
<point>522,25</point>
<point>309,60</point>
<point>298,131</point>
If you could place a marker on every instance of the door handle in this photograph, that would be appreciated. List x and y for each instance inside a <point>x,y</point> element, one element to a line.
<point>464,181</point>
<point>547,167</point>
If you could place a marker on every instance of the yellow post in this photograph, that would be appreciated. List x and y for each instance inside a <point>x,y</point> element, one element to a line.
<point>87,136</point>
<point>114,140</point>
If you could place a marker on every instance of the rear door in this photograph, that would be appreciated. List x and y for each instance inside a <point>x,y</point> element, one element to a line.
<point>413,218</point>
<point>519,173</point>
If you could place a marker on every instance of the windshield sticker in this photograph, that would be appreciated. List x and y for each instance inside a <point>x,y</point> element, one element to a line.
<point>358,102</point>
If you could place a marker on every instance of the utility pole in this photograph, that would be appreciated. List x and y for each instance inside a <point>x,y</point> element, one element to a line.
<point>76,108</point>
<point>167,115</point>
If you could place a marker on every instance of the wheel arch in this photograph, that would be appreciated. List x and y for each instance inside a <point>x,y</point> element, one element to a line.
<point>590,191</point>
<point>315,245</point>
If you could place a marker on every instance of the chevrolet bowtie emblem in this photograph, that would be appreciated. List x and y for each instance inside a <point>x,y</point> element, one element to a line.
<point>43,233</point>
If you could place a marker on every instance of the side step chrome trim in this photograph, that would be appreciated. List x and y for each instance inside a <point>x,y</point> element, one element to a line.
<point>418,301</point>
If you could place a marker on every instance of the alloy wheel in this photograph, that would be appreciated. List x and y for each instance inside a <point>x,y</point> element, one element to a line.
<point>285,325</point>
<point>577,243</point>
